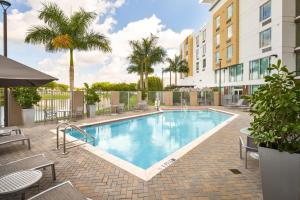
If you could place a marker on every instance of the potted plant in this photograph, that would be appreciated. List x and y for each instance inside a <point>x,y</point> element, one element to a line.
<point>91,98</point>
<point>27,97</point>
<point>275,108</point>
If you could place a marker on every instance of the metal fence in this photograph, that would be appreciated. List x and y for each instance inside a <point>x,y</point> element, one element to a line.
<point>1,107</point>
<point>52,100</point>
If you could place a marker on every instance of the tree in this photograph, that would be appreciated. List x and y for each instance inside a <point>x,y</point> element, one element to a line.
<point>63,33</point>
<point>155,84</point>
<point>145,54</point>
<point>176,65</point>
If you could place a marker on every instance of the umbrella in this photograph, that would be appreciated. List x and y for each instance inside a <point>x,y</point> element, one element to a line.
<point>15,74</point>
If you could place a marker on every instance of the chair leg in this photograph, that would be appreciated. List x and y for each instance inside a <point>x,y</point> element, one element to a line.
<point>246,159</point>
<point>53,172</point>
<point>241,156</point>
<point>28,141</point>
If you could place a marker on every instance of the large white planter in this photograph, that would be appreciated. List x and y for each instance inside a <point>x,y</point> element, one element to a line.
<point>280,172</point>
<point>28,117</point>
<point>91,110</point>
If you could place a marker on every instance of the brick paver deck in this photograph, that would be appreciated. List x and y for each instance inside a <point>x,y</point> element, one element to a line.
<point>202,173</point>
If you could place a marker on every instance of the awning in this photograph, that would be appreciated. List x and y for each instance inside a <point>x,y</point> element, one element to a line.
<point>14,74</point>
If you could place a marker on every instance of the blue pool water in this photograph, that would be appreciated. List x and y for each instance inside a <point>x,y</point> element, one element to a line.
<point>146,140</point>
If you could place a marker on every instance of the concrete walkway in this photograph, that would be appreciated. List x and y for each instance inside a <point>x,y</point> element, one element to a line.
<point>203,173</point>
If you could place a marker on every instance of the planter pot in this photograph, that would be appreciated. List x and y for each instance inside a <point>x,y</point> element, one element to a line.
<point>28,117</point>
<point>91,110</point>
<point>280,172</point>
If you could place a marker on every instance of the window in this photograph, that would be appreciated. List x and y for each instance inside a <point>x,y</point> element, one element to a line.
<point>217,56</point>
<point>259,68</point>
<point>236,73</point>
<point>197,41</point>
<point>253,88</point>
<point>229,11</point>
<point>204,63</point>
<point>229,32</point>
<point>298,34</point>
<point>217,39</point>
<point>265,38</point>
<point>197,67</point>
<point>204,50</point>
<point>197,53</point>
<point>229,52</point>
<point>217,76</point>
<point>186,53</point>
<point>265,11</point>
<point>217,22</point>
<point>204,35</point>
<point>297,8</point>
<point>298,64</point>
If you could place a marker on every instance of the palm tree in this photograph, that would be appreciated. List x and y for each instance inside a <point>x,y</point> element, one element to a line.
<point>63,33</point>
<point>145,54</point>
<point>176,65</point>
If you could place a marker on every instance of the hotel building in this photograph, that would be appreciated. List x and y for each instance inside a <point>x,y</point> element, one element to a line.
<point>240,41</point>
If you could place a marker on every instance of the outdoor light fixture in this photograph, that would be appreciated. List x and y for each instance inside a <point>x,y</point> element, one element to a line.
<point>5,5</point>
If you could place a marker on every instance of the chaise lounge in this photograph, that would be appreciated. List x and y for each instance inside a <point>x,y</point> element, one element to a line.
<point>14,138</point>
<point>33,162</point>
<point>63,191</point>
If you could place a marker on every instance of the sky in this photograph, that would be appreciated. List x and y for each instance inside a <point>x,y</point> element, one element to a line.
<point>119,20</point>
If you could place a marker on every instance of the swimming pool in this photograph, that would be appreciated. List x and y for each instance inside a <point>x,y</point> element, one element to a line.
<point>145,141</point>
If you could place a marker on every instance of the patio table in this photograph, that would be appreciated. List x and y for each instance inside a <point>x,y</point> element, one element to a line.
<point>65,112</point>
<point>19,181</point>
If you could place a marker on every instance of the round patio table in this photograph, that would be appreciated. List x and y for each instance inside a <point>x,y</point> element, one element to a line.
<point>19,181</point>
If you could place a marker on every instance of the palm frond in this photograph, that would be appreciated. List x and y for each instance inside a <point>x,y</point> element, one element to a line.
<point>81,20</point>
<point>40,35</point>
<point>93,41</point>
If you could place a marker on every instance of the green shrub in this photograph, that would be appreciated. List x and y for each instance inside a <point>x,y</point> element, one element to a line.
<point>91,97</point>
<point>26,96</point>
<point>275,108</point>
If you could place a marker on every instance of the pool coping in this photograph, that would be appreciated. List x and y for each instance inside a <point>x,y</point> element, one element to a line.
<point>158,167</point>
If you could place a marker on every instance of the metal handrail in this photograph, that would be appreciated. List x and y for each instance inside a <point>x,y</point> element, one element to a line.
<point>67,126</point>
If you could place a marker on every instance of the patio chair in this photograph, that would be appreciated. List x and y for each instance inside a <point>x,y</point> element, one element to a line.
<point>63,191</point>
<point>14,138</point>
<point>78,113</point>
<point>120,108</point>
<point>33,162</point>
<point>50,115</point>
<point>240,104</point>
<point>249,147</point>
<point>4,131</point>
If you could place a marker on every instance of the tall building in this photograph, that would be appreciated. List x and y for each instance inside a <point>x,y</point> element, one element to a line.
<point>186,52</point>
<point>242,38</point>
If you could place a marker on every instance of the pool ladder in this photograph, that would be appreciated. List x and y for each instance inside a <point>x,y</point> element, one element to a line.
<point>65,126</point>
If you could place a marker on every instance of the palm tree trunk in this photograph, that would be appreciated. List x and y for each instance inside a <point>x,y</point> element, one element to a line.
<point>176,78</point>
<point>146,80</point>
<point>71,71</point>
<point>71,77</point>
<point>142,78</point>
<point>170,78</point>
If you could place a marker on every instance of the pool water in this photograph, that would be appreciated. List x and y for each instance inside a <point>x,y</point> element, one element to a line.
<point>146,140</point>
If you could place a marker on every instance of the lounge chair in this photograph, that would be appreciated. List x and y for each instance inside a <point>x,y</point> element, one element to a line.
<point>249,147</point>
<point>15,138</point>
<point>120,108</point>
<point>63,191</point>
<point>33,162</point>
<point>240,104</point>
<point>78,113</point>
<point>4,131</point>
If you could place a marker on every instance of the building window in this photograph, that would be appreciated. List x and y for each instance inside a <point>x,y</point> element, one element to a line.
<point>298,64</point>
<point>298,34</point>
<point>217,76</point>
<point>197,67</point>
<point>204,50</point>
<point>229,32</point>
<point>197,53</point>
<point>186,53</point>
<point>217,56</point>
<point>218,22</point>
<point>297,8</point>
<point>204,35</point>
<point>253,88</point>
<point>259,68</point>
<point>236,73</point>
<point>203,64</point>
<point>197,40</point>
<point>229,11</point>
<point>229,52</point>
<point>265,11</point>
<point>265,38</point>
<point>217,39</point>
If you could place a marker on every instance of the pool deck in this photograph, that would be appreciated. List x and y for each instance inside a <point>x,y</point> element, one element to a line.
<point>202,173</point>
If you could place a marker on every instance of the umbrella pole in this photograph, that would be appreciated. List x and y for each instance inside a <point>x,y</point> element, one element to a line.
<point>5,106</point>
